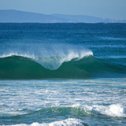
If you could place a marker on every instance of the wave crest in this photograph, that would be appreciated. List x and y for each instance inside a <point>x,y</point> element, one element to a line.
<point>53,60</point>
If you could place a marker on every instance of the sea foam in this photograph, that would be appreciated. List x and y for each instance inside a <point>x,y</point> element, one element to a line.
<point>113,110</point>
<point>67,122</point>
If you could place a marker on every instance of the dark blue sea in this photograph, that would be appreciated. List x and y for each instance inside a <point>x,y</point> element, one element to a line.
<point>62,74</point>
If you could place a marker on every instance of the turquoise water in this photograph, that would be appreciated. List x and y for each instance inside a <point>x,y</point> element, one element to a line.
<point>62,74</point>
<point>94,102</point>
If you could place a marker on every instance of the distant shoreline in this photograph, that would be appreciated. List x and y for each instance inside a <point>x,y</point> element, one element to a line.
<point>12,16</point>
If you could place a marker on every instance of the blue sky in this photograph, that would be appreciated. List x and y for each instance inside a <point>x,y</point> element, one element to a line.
<point>101,8</point>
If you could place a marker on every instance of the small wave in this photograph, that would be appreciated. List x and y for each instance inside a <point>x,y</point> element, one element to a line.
<point>66,122</point>
<point>114,110</point>
<point>75,111</point>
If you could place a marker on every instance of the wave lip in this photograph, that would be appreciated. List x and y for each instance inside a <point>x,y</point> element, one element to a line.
<point>66,122</point>
<point>52,61</point>
<point>11,54</point>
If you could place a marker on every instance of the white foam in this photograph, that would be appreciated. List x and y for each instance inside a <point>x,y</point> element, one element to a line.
<point>67,122</point>
<point>114,110</point>
<point>76,105</point>
<point>77,55</point>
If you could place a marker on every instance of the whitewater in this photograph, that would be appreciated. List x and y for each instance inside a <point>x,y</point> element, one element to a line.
<point>63,102</point>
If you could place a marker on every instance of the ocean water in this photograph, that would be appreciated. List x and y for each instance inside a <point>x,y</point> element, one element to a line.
<point>62,74</point>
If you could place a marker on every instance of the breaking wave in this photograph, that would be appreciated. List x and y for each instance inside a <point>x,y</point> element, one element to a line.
<point>74,114</point>
<point>113,110</point>
<point>62,63</point>
<point>52,61</point>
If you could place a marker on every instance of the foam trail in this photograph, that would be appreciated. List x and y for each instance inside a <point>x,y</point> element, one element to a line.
<point>67,122</point>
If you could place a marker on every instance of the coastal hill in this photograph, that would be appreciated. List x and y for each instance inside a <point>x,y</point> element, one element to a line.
<point>15,16</point>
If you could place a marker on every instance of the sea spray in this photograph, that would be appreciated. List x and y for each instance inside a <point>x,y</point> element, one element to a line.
<point>50,57</point>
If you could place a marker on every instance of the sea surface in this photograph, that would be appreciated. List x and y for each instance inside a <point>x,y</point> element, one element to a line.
<point>62,74</point>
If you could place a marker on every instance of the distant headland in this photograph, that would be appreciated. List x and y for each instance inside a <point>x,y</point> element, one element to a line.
<point>16,16</point>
